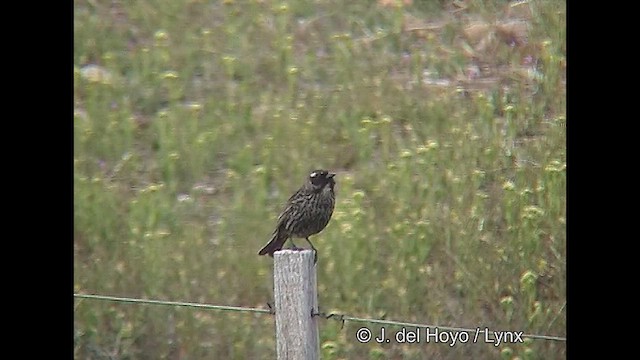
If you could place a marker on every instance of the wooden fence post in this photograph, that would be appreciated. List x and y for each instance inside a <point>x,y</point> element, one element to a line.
<point>296,295</point>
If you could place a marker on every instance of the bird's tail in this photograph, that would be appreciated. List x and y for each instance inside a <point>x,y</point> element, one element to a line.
<point>275,244</point>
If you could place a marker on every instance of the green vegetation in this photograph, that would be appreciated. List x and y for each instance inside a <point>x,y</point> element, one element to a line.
<point>195,120</point>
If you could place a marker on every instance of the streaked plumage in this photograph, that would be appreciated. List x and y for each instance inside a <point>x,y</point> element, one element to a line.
<point>306,213</point>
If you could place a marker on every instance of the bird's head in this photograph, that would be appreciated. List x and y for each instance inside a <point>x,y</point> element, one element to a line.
<point>320,178</point>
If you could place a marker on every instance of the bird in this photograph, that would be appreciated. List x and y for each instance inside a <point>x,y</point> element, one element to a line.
<point>306,213</point>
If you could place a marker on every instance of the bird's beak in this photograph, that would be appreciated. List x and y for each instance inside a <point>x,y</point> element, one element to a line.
<point>330,175</point>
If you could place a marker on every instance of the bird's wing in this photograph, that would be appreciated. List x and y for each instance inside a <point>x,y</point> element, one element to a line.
<point>292,203</point>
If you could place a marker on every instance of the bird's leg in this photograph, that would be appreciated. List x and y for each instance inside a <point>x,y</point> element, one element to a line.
<point>293,246</point>
<point>315,252</point>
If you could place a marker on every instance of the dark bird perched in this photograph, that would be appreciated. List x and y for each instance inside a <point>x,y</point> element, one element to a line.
<point>307,212</point>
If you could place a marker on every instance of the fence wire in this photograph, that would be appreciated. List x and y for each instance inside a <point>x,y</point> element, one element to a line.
<point>340,317</point>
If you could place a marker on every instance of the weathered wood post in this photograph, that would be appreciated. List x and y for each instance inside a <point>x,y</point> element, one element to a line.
<point>296,295</point>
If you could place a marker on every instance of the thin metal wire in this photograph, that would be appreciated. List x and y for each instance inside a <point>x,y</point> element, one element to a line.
<point>446,328</point>
<point>341,318</point>
<point>170,303</point>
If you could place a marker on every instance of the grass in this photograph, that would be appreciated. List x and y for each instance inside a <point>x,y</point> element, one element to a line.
<point>194,122</point>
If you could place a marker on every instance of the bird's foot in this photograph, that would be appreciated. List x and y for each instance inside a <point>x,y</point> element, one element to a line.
<point>315,251</point>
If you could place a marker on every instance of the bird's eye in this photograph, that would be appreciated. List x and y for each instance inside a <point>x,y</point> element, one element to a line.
<point>313,174</point>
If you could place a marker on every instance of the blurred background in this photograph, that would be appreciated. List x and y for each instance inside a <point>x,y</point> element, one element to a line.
<point>194,121</point>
